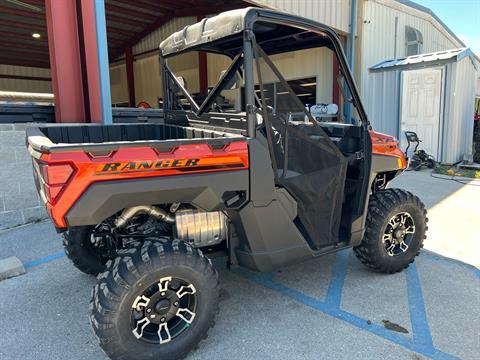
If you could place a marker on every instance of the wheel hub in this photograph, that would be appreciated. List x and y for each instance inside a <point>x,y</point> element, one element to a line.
<point>162,306</point>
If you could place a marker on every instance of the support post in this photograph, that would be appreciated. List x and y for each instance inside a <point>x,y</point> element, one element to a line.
<point>202,69</point>
<point>335,87</point>
<point>65,64</point>
<point>103,64</point>
<point>91,70</point>
<point>353,30</point>
<point>130,76</point>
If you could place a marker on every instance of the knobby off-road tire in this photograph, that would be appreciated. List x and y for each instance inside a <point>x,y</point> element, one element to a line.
<point>383,207</point>
<point>79,249</point>
<point>134,273</point>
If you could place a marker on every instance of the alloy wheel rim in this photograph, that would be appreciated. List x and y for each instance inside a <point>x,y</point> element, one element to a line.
<point>164,310</point>
<point>398,234</point>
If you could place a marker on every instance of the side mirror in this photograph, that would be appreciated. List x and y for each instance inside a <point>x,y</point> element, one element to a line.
<point>234,82</point>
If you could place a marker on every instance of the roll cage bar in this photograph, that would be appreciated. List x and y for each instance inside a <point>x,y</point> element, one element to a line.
<point>243,53</point>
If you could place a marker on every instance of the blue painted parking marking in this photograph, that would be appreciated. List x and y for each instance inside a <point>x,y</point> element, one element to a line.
<point>47,259</point>
<point>422,340</point>
<point>337,280</point>
<point>416,306</point>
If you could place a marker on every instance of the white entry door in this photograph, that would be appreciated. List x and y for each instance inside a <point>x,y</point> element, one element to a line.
<point>420,108</point>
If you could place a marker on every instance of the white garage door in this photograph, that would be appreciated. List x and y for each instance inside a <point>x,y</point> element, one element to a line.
<point>420,108</point>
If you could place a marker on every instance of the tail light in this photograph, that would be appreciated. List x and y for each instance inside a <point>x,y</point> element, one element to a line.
<point>52,178</point>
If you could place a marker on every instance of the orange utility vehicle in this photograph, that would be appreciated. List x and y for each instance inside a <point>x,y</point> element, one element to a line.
<point>249,174</point>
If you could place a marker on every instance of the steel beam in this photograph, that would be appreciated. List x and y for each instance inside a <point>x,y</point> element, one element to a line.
<point>22,25</point>
<point>6,60</point>
<point>129,13</point>
<point>65,60</point>
<point>90,62</point>
<point>130,77</point>
<point>103,63</point>
<point>19,12</point>
<point>20,77</point>
<point>202,69</point>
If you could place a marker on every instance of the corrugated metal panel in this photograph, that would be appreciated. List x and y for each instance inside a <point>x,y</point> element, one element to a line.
<point>335,13</point>
<point>25,85</point>
<point>384,93</point>
<point>460,93</point>
<point>378,36</point>
<point>453,55</point>
<point>153,40</point>
<point>456,126</point>
<point>118,84</point>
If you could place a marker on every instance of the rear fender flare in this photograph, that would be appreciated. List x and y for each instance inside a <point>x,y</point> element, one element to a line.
<point>206,191</point>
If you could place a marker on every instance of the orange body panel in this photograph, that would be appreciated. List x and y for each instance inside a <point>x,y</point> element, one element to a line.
<point>134,163</point>
<point>387,145</point>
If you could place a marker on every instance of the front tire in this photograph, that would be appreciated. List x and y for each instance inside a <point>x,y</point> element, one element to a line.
<point>395,231</point>
<point>154,301</point>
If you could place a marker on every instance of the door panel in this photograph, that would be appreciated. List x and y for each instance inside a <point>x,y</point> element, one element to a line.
<point>420,107</point>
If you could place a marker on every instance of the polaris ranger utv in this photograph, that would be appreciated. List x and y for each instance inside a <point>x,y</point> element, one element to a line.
<point>252,177</point>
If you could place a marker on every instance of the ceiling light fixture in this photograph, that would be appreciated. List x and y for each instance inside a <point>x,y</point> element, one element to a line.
<point>36,35</point>
<point>309,84</point>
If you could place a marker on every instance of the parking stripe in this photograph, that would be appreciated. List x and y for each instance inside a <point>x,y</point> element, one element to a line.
<point>47,259</point>
<point>333,298</point>
<point>416,306</point>
<point>422,348</point>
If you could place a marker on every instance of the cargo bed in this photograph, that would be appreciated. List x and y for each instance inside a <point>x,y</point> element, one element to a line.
<point>50,139</point>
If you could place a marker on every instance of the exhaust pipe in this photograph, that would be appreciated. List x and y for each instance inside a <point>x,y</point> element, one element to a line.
<point>151,210</point>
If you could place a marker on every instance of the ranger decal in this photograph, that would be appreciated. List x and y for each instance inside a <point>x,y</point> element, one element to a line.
<point>168,164</point>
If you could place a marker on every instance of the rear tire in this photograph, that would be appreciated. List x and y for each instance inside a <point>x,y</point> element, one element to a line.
<point>380,250</point>
<point>79,249</point>
<point>139,283</point>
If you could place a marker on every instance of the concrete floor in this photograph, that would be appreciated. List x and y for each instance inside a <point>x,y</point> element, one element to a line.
<point>331,307</point>
<point>453,211</point>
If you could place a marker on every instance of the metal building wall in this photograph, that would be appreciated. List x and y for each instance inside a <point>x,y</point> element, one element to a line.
<point>335,13</point>
<point>153,40</point>
<point>456,119</point>
<point>384,95</point>
<point>118,84</point>
<point>378,36</point>
<point>148,86</point>
<point>40,86</point>
<point>458,113</point>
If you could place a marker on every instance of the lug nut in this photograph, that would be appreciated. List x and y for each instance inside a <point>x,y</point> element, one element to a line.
<point>163,294</point>
<point>162,319</point>
<point>175,303</point>
<point>149,311</point>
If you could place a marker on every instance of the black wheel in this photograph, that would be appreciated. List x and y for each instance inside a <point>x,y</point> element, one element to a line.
<point>395,230</point>
<point>430,163</point>
<point>88,248</point>
<point>154,301</point>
